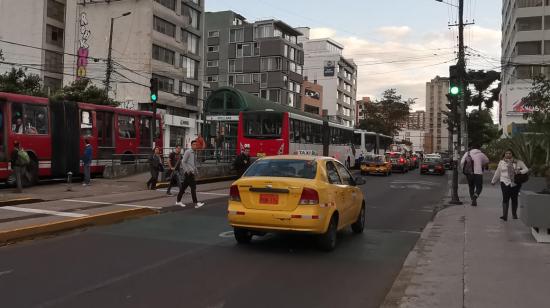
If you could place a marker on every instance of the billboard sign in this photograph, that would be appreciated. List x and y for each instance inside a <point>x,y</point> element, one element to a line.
<point>329,68</point>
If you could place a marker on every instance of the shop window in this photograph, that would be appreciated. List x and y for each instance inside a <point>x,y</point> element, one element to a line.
<point>86,123</point>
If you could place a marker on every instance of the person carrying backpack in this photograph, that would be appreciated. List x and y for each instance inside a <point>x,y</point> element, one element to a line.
<point>19,161</point>
<point>473,163</point>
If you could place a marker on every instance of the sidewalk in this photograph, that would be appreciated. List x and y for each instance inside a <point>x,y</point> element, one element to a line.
<point>46,209</point>
<point>468,257</point>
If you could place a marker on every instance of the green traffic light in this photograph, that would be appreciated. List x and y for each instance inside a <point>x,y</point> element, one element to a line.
<point>153,97</point>
<point>454,90</point>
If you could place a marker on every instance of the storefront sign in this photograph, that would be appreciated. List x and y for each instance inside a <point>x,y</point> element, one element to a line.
<point>173,120</point>
<point>222,118</point>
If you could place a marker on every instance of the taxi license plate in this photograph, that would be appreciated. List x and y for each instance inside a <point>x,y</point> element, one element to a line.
<point>431,170</point>
<point>269,199</point>
<point>260,154</point>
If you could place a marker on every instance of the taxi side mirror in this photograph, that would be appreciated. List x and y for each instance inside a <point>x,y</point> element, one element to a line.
<point>360,181</point>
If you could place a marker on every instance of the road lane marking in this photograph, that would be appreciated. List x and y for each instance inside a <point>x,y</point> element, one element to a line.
<point>117,204</point>
<point>39,211</point>
<point>6,272</point>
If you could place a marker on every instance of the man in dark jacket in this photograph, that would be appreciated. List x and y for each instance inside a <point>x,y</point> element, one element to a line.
<point>242,161</point>
<point>86,162</point>
<point>17,166</point>
<point>156,167</point>
<point>173,173</point>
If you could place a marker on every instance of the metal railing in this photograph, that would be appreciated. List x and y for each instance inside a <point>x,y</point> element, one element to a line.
<point>204,157</point>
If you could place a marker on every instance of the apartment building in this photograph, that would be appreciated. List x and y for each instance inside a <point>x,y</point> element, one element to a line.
<point>37,46</point>
<point>415,121</point>
<point>262,57</point>
<point>436,138</point>
<point>159,39</point>
<point>361,109</point>
<point>324,62</point>
<point>525,54</point>
<point>312,97</point>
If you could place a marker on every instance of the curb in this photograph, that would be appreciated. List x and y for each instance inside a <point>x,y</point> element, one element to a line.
<point>7,237</point>
<point>18,201</point>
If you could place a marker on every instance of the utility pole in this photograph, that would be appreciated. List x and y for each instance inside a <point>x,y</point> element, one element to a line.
<point>109,60</point>
<point>462,78</point>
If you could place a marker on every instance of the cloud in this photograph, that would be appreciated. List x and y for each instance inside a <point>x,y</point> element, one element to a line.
<point>407,65</point>
<point>394,32</point>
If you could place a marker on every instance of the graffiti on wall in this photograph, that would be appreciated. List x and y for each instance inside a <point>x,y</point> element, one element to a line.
<point>83,48</point>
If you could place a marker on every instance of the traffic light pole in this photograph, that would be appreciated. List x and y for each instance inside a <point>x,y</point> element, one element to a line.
<point>154,86</point>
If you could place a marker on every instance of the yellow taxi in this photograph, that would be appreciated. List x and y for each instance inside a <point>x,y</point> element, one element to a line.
<point>294,193</point>
<point>375,164</point>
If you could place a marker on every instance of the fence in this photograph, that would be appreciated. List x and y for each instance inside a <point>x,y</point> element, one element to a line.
<point>204,157</point>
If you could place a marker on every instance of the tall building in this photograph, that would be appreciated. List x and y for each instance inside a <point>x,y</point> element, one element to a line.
<point>323,61</point>
<point>159,39</point>
<point>33,33</point>
<point>262,57</point>
<point>312,97</point>
<point>415,121</point>
<point>361,109</point>
<point>436,138</point>
<point>525,54</point>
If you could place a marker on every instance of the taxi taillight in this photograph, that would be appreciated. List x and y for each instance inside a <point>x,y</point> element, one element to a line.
<point>309,197</point>
<point>234,194</point>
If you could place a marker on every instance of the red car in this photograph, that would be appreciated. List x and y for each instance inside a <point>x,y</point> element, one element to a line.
<point>398,161</point>
<point>432,165</point>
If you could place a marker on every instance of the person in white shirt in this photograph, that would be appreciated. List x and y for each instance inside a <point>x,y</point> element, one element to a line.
<point>507,169</point>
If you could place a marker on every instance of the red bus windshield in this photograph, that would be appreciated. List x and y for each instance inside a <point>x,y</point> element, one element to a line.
<point>265,125</point>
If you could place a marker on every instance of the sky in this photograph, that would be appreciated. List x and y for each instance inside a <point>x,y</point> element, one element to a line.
<point>399,44</point>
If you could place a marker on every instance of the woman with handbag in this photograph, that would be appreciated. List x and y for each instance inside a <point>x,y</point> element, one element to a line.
<point>511,173</point>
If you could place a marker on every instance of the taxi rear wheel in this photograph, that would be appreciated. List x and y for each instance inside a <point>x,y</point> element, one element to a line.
<point>327,241</point>
<point>359,225</point>
<point>242,236</point>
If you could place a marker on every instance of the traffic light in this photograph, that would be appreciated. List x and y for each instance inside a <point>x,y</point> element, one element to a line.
<point>154,90</point>
<point>454,87</point>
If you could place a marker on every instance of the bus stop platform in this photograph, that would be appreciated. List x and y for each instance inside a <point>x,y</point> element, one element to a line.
<point>52,208</point>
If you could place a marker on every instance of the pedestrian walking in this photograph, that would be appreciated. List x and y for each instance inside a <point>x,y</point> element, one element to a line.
<point>87,161</point>
<point>190,172</point>
<point>509,173</point>
<point>242,161</point>
<point>19,161</point>
<point>155,163</point>
<point>174,165</point>
<point>473,162</point>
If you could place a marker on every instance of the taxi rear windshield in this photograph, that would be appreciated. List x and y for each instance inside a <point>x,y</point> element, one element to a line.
<point>374,159</point>
<point>291,168</point>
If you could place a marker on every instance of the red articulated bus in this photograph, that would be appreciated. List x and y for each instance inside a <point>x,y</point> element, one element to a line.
<point>53,134</point>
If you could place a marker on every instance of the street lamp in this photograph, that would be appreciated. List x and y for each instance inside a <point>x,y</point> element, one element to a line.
<point>109,55</point>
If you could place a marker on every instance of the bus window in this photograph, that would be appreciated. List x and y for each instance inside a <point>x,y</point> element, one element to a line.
<point>29,119</point>
<point>262,125</point>
<point>357,140</point>
<point>86,123</point>
<point>145,132</point>
<point>104,128</point>
<point>126,127</point>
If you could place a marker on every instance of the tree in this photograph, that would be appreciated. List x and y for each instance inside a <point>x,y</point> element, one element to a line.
<point>482,81</point>
<point>538,100</point>
<point>18,81</point>
<point>481,128</point>
<point>83,90</point>
<point>385,115</point>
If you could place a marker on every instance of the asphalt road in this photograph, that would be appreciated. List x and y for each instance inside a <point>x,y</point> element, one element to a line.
<point>185,259</point>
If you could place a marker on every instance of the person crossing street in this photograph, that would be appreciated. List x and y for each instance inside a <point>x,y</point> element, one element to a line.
<point>190,172</point>
<point>174,165</point>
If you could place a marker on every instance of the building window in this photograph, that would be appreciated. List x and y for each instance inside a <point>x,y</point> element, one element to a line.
<point>164,27</point>
<point>243,79</point>
<point>256,78</point>
<point>235,66</point>
<point>311,109</point>
<point>527,71</point>
<point>528,3</point>
<point>313,94</point>
<point>271,64</point>
<point>56,11</point>
<point>214,33</point>
<point>271,94</point>
<point>165,84</point>
<point>197,2</point>
<point>213,78</point>
<point>212,63</point>
<point>236,35</point>
<point>171,4</point>
<point>546,22</point>
<point>190,92</point>
<point>163,54</point>
<point>215,48</point>
<point>263,31</point>
<point>529,48</point>
<point>192,14</point>
<point>191,41</point>
<point>54,36</point>
<point>529,23</point>
<point>189,66</point>
<point>53,62</point>
<point>126,127</point>
<point>247,50</point>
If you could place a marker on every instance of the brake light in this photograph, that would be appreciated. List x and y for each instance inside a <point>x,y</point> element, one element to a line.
<point>309,197</point>
<point>234,194</point>
<point>424,166</point>
<point>402,160</point>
